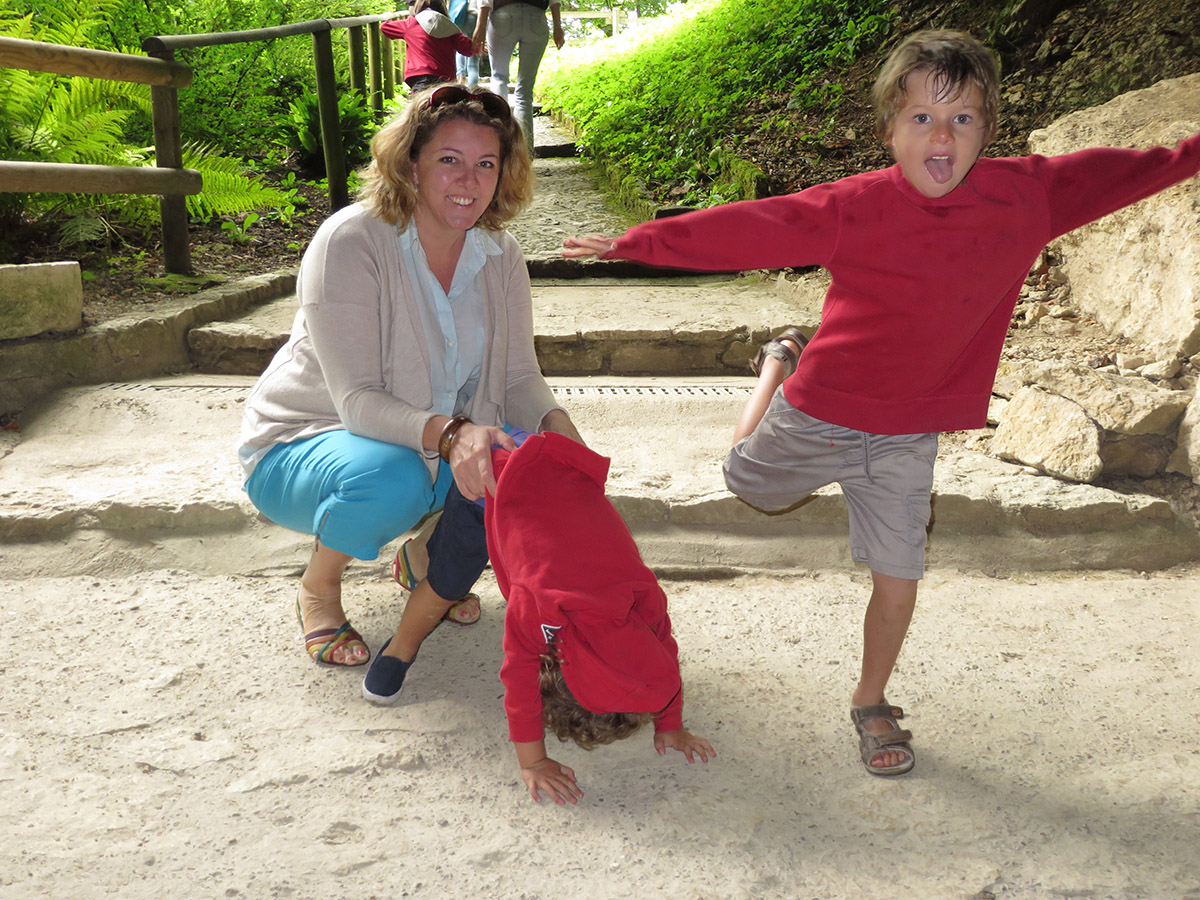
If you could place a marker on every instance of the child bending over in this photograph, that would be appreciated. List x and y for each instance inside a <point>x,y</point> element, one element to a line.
<point>927,259</point>
<point>588,650</point>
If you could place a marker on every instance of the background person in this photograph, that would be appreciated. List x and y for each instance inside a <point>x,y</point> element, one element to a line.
<point>509,25</point>
<point>465,14</point>
<point>432,42</point>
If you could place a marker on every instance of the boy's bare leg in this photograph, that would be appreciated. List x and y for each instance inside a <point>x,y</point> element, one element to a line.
<point>885,625</point>
<point>321,599</point>
<point>421,615</point>
<point>770,377</point>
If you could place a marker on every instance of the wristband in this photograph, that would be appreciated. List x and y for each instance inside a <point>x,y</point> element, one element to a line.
<point>449,433</point>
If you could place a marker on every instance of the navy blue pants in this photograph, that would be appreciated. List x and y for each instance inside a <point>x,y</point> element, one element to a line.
<point>457,548</point>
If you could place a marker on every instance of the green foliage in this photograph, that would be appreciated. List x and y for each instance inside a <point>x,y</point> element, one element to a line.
<point>228,188</point>
<point>240,90</point>
<point>656,102</point>
<point>240,231</point>
<point>301,130</point>
<point>57,119</point>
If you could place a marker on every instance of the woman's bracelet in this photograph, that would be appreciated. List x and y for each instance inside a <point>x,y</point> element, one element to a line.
<point>449,433</point>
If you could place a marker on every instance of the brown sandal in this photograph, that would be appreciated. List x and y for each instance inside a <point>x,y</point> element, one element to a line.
<point>465,612</point>
<point>781,351</point>
<point>870,744</point>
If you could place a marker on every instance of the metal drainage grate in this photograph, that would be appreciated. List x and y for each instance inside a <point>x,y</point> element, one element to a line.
<point>687,390</point>
<point>237,390</point>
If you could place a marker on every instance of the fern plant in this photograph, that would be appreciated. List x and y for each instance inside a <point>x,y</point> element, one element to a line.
<point>50,118</point>
<point>301,130</point>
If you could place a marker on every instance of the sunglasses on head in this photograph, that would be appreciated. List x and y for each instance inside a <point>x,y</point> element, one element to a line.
<point>493,104</point>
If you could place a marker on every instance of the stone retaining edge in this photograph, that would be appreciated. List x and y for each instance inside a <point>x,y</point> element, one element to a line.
<point>141,346</point>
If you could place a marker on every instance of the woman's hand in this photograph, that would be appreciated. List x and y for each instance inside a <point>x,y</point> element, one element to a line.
<point>586,245</point>
<point>471,458</point>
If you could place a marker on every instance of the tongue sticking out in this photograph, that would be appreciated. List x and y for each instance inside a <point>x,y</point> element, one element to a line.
<point>939,168</point>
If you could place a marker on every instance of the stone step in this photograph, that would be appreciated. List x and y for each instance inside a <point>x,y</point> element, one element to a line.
<point>142,475</point>
<point>708,325</point>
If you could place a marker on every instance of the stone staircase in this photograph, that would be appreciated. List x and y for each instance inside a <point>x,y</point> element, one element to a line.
<point>652,366</point>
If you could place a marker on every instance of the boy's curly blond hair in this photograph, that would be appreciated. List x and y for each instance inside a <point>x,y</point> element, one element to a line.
<point>954,58</point>
<point>569,721</point>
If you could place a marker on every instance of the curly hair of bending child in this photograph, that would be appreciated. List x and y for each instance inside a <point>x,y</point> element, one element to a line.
<point>569,721</point>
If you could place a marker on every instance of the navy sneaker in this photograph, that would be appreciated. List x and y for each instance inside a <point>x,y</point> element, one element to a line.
<point>385,678</point>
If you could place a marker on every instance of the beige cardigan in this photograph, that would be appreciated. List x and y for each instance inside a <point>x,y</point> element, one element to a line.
<point>357,357</point>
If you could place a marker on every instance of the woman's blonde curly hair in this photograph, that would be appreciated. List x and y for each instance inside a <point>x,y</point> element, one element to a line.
<point>388,187</point>
<point>569,721</point>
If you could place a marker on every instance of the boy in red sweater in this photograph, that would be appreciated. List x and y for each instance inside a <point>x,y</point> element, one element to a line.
<point>431,39</point>
<point>927,258</point>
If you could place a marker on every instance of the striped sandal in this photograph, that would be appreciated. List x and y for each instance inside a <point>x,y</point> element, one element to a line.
<point>465,612</point>
<point>323,643</point>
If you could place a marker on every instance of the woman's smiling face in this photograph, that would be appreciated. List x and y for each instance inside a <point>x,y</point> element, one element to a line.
<point>456,175</point>
<point>938,134</point>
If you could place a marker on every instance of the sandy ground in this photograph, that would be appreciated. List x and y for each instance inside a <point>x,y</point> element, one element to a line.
<point>173,740</point>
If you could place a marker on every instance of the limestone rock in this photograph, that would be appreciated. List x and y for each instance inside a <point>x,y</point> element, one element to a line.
<point>40,297</point>
<point>1186,458</point>
<point>1050,433</point>
<point>1137,271</point>
<point>1118,403</point>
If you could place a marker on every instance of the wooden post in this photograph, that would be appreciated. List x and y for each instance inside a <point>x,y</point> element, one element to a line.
<point>389,70</point>
<point>168,154</point>
<point>358,61</point>
<point>331,131</point>
<point>375,69</point>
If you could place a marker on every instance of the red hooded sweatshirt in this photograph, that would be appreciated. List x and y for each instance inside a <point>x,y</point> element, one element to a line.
<point>431,40</point>
<point>570,571</point>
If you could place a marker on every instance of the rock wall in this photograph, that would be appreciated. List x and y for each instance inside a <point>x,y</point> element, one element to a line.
<point>1137,271</point>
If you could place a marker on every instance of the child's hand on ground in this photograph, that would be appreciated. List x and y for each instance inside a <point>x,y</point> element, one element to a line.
<point>555,779</point>
<point>686,743</point>
<point>585,245</point>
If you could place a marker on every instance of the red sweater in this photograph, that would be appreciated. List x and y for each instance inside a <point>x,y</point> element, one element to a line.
<point>426,55</point>
<point>923,290</point>
<point>570,570</point>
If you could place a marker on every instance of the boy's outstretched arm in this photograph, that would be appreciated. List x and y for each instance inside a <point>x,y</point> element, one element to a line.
<point>541,773</point>
<point>585,245</point>
<point>685,742</point>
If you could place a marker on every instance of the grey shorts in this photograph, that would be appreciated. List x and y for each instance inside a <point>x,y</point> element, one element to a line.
<point>887,480</point>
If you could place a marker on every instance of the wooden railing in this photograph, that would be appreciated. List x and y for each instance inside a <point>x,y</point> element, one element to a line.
<point>168,180</point>
<point>615,17</point>
<point>371,73</point>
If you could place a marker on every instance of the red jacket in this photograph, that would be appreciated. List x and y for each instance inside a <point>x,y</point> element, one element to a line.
<point>923,289</point>
<point>570,570</point>
<point>425,54</point>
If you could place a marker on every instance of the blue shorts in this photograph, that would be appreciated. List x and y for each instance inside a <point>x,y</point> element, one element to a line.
<point>355,493</point>
<point>886,479</point>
